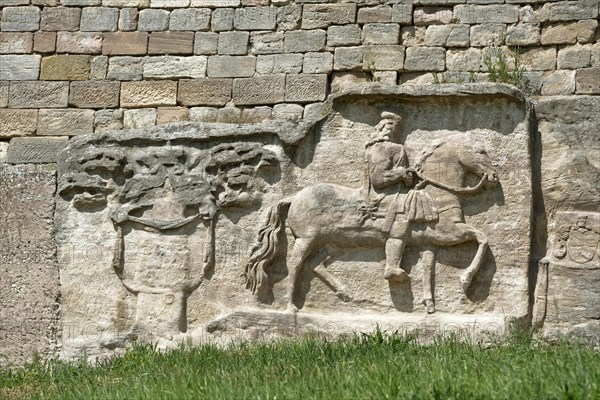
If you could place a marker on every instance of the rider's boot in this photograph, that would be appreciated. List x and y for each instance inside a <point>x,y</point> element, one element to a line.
<point>393,257</point>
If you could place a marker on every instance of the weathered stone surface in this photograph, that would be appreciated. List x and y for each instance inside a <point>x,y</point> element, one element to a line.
<point>488,35</point>
<point>255,115</point>
<point>125,43</point>
<point>346,35</point>
<point>20,19</point>
<point>464,60</point>
<point>44,42</point>
<point>322,15</point>
<point>350,58</point>
<point>182,19</point>
<point>65,68</point>
<point>94,94</point>
<point>304,41</point>
<point>383,58</point>
<point>595,57</point>
<point>539,59</point>
<point>381,13</point>
<point>231,66</point>
<point>272,64</point>
<point>142,118</point>
<point>487,14</point>
<point>523,35</point>
<point>29,283</point>
<point>559,34</point>
<point>16,122</point>
<point>38,94</point>
<point>169,115</point>
<point>233,43</point>
<point>568,11</point>
<point>153,20</point>
<point>148,94</point>
<point>317,63</point>
<point>425,59</point>
<point>108,120</point>
<point>128,19</point>
<point>206,43</point>
<point>402,13</point>
<point>33,150</point>
<point>433,16</point>
<point>586,30</point>
<point>171,43</point>
<point>377,33</point>
<point>4,94</point>
<point>387,77</point>
<point>65,122</point>
<point>255,18</point>
<point>413,35</point>
<point>20,67</point>
<point>574,57</point>
<point>169,3</point>
<point>222,19</point>
<point>203,114</point>
<point>447,35</point>
<point>259,90</point>
<point>288,16</point>
<point>287,111</point>
<point>305,88</point>
<point>215,3</point>
<point>588,81</point>
<point>16,43</point>
<point>266,43</point>
<point>209,92</point>
<point>125,68</point>
<point>558,83</point>
<point>99,19</point>
<point>169,67</point>
<point>78,42</point>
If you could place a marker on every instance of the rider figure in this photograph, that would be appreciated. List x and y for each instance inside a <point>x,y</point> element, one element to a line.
<point>387,164</point>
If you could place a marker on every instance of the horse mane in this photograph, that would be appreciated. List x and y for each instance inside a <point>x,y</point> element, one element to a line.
<point>425,154</point>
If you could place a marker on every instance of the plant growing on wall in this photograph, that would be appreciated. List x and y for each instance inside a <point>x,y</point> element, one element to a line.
<point>504,67</point>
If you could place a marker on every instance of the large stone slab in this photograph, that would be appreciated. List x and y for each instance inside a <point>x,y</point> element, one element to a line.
<point>377,214</point>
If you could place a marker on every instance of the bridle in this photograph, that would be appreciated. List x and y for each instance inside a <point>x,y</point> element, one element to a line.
<point>468,190</point>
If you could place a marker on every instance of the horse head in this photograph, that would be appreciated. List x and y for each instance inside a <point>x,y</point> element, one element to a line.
<point>474,158</point>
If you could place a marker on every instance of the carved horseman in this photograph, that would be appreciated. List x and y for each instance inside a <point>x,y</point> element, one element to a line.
<point>388,172</point>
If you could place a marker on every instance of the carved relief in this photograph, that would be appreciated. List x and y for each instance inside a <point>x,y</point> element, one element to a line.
<point>580,242</point>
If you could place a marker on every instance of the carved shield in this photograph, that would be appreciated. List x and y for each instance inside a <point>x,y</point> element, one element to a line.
<point>582,245</point>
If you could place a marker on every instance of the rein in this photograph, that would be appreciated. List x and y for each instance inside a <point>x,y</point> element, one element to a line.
<point>468,190</point>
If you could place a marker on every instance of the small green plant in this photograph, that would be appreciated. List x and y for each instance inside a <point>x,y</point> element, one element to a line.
<point>499,67</point>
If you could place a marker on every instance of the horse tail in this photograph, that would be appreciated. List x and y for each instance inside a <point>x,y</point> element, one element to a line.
<point>265,248</point>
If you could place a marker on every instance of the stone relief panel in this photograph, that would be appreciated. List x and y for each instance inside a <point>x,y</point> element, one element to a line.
<point>400,207</point>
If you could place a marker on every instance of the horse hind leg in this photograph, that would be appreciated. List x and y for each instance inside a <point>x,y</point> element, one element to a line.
<point>328,279</point>
<point>428,258</point>
<point>467,276</point>
<point>302,249</point>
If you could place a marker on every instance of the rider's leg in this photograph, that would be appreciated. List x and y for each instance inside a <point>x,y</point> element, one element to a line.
<point>393,256</point>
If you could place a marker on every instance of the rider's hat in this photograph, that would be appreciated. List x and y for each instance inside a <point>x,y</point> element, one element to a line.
<point>390,115</point>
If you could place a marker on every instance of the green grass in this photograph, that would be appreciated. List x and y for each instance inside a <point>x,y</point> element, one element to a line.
<point>364,367</point>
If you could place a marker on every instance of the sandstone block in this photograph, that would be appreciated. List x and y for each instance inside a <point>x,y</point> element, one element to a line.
<point>345,35</point>
<point>20,19</point>
<point>209,91</point>
<point>425,59</point>
<point>433,16</point>
<point>487,14</point>
<point>171,43</point>
<point>16,43</point>
<point>65,68</point>
<point>168,67</point>
<point>287,111</point>
<point>233,43</point>
<point>305,88</point>
<point>142,118</point>
<point>586,30</point>
<point>99,19</point>
<point>125,68</point>
<point>195,19</point>
<point>33,150</point>
<point>169,3</point>
<point>78,42</point>
<point>383,58</point>
<point>463,60</point>
<point>317,63</point>
<point>447,35</point>
<point>368,15</point>
<point>229,115</point>
<point>381,33</point>
<point>255,18</point>
<point>539,59</point>
<point>588,81</point>
<point>413,35</point>
<point>523,35</point>
<point>303,41</point>
<point>388,77</point>
<point>19,67</point>
<point>169,115</point>
<point>595,58</point>
<point>206,43</point>
<point>16,122</point>
<point>267,89</point>
<point>203,114</point>
<point>44,42</point>
<point>108,120</point>
<point>558,83</point>
<point>148,94</point>
<point>4,94</point>
<point>128,19</point>
<point>231,66</point>
<point>80,3</point>
<point>125,43</point>
<point>322,15</point>
<point>215,3</point>
<point>94,94</point>
<point>574,57</point>
<point>69,122</point>
<point>568,11</point>
<point>254,115</point>
<point>98,68</point>
<point>488,35</point>
<point>222,19</point>
<point>272,64</point>
<point>402,14</point>
<point>266,43</point>
<point>559,34</point>
<point>152,20</point>
<point>348,58</point>
<point>38,94</point>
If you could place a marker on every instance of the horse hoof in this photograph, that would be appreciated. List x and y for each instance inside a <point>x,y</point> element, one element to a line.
<point>397,275</point>
<point>342,295</point>
<point>292,309</point>
<point>430,306</point>
<point>465,282</point>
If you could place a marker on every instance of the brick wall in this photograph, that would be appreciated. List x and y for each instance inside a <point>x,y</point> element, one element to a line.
<point>69,67</point>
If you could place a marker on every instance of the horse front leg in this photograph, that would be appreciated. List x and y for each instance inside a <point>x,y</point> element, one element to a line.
<point>428,257</point>
<point>482,241</point>
<point>301,250</point>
